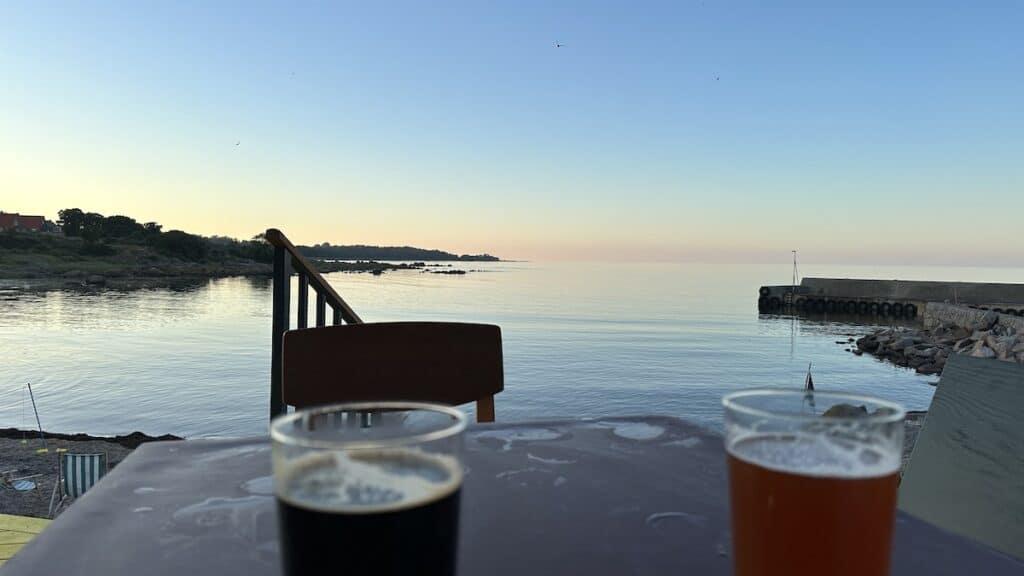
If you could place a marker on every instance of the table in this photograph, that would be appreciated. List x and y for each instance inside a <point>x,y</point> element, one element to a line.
<point>616,496</point>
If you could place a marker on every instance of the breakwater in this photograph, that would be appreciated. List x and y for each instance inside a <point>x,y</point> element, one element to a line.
<point>888,298</point>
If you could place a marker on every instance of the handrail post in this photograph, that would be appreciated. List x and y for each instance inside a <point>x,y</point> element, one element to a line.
<point>282,305</point>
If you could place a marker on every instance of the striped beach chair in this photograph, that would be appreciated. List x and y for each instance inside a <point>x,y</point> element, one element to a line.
<point>78,473</point>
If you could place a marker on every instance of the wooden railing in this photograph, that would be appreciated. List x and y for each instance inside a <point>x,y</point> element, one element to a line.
<point>288,260</point>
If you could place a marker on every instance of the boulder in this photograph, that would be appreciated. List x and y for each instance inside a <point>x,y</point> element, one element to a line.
<point>991,340</point>
<point>921,350</point>
<point>846,411</point>
<point>929,369</point>
<point>982,351</point>
<point>960,333</point>
<point>917,361</point>
<point>1004,347</point>
<point>965,344</point>
<point>904,342</point>
<point>1018,349</point>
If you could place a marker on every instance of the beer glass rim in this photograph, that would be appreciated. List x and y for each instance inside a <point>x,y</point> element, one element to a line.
<point>279,431</point>
<point>733,402</point>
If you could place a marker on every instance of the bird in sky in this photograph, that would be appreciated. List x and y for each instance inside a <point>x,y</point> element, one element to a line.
<point>237,143</point>
<point>559,44</point>
<point>716,78</point>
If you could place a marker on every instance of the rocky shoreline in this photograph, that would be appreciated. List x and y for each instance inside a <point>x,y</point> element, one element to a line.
<point>927,349</point>
<point>21,457</point>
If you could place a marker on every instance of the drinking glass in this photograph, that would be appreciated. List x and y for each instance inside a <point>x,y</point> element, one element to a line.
<point>813,479</point>
<point>369,488</point>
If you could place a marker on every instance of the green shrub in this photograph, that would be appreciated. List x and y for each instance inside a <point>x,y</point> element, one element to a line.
<point>182,245</point>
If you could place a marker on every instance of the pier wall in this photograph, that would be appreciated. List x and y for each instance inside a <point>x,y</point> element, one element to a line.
<point>896,298</point>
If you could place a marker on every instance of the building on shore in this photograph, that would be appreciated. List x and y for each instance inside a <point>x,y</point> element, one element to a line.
<point>24,223</point>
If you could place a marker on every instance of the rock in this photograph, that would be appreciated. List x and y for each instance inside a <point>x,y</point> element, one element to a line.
<point>965,344</point>
<point>929,369</point>
<point>840,341</point>
<point>1018,349</point>
<point>982,351</point>
<point>1004,347</point>
<point>867,343</point>
<point>960,333</point>
<point>921,350</point>
<point>846,411</point>
<point>861,352</point>
<point>902,343</point>
<point>991,340</point>
<point>917,361</point>
<point>95,279</point>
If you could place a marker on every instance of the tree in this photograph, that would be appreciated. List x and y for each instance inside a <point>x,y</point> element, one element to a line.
<point>92,231</point>
<point>151,228</point>
<point>120,227</point>
<point>71,221</point>
<point>182,245</point>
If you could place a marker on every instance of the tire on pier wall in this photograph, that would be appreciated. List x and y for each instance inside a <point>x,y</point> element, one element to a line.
<point>863,307</point>
<point>873,308</point>
<point>885,309</point>
<point>910,311</point>
<point>897,309</point>
<point>762,304</point>
<point>764,291</point>
<point>831,306</point>
<point>774,303</point>
<point>819,305</point>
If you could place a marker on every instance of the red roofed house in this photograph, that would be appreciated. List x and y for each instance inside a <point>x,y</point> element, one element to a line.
<point>22,223</point>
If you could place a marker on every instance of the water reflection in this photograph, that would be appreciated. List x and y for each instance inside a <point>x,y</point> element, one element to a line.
<point>580,340</point>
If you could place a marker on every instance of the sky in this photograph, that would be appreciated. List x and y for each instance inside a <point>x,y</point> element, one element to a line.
<point>859,132</point>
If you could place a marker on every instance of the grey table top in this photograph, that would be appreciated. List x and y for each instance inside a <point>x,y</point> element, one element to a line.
<point>617,496</point>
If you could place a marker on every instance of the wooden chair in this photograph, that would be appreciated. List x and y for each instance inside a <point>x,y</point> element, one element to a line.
<point>444,362</point>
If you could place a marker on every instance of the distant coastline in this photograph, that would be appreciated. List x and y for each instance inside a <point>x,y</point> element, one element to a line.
<point>89,248</point>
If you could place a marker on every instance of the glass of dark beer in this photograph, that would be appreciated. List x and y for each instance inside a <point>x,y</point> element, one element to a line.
<point>812,478</point>
<point>369,488</point>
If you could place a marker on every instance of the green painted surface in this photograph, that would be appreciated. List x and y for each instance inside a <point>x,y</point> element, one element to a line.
<point>16,531</point>
<point>966,473</point>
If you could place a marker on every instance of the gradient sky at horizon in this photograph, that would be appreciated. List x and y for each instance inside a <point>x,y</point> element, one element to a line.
<point>870,133</point>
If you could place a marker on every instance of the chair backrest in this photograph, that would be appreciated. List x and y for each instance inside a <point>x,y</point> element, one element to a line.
<point>445,362</point>
<point>966,473</point>
<point>81,471</point>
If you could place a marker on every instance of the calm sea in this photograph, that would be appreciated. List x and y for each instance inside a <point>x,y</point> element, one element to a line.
<point>581,339</point>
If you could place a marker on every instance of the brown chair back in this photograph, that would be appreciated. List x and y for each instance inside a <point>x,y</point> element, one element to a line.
<point>444,362</point>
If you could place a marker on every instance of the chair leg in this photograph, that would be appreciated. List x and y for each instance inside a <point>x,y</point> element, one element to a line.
<point>485,409</point>
<point>56,485</point>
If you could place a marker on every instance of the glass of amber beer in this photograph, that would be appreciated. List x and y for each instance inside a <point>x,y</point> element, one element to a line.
<point>813,478</point>
<point>369,488</point>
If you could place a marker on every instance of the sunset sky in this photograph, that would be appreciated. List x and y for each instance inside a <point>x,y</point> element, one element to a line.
<point>876,132</point>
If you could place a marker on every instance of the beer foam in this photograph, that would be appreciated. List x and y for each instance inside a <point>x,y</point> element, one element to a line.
<point>370,481</point>
<point>816,455</point>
